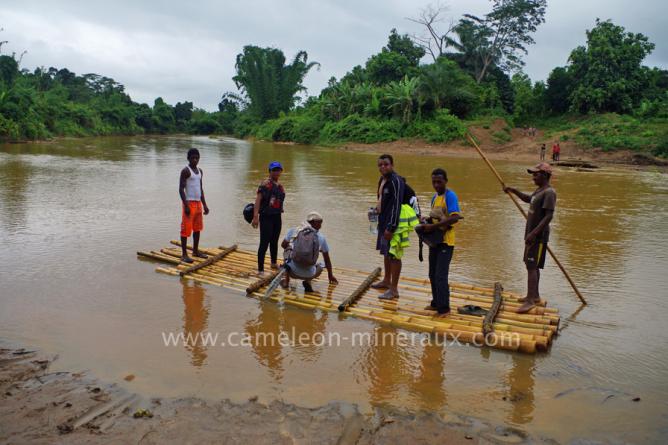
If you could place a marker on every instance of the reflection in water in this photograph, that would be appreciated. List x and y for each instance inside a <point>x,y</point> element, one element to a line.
<point>521,389</point>
<point>195,321</point>
<point>14,179</point>
<point>386,365</point>
<point>429,385</point>
<point>264,332</point>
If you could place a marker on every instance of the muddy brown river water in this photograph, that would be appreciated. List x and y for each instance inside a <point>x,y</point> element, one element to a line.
<point>74,212</point>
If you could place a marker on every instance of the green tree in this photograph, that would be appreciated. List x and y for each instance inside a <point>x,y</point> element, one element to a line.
<point>500,36</point>
<point>608,71</point>
<point>399,58</point>
<point>183,113</point>
<point>444,85</point>
<point>529,99</point>
<point>163,117</point>
<point>401,96</point>
<point>9,70</point>
<point>560,86</point>
<point>268,83</point>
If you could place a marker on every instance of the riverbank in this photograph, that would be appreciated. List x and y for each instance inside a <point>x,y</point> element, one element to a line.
<point>520,147</point>
<point>40,406</point>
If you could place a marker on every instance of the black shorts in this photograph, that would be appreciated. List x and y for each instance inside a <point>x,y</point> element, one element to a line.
<point>534,255</point>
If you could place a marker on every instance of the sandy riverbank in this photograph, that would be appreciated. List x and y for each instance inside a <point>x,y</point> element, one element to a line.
<point>521,148</point>
<point>42,407</point>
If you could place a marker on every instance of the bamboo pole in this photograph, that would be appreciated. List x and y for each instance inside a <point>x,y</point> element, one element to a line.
<point>357,293</point>
<point>261,282</point>
<point>494,310</point>
<point>521,209</point>
<point>209,260</point>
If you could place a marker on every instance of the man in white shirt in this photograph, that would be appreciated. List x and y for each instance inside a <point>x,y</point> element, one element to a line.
<point>308,273</point>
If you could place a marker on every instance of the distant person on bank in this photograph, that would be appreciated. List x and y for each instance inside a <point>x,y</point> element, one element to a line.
<point>310,242</point>
<point>396,219</point>
<point>444,215</point>
<point>194,205</point>
<point>543,149</point>
<point>556,151</point>
<point>542,203</point>
<point>267,215</point>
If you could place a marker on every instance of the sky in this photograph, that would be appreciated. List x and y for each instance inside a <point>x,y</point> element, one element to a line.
<point>186,50</point>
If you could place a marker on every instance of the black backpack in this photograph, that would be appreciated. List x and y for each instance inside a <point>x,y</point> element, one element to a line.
<point>409,193</point>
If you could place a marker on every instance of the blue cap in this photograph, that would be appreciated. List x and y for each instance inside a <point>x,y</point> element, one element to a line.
<point>275,164</point>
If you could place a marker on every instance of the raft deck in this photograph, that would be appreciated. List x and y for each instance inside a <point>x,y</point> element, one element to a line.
<point>237,270</point>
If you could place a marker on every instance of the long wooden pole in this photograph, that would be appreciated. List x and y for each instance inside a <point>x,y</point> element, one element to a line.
<point>208,261</point>
<point>521,209</point>
<point>360,289</point>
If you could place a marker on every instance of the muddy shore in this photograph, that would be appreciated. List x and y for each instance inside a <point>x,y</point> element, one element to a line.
<point>520,148</point>
<point>43,407</point>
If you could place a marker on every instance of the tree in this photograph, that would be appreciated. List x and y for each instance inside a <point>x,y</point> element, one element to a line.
<point>268,83</point>
<point>402,96</point>
<point>399,58</point>
<point>500,36</point>
<point>432,40</point>
<point>559,89</point>
<point>163,116</point>
<point>9,70</point>
<point>444,85</point>
<point>529,99</point>
<point>183,113</point>
<point>608,71</point>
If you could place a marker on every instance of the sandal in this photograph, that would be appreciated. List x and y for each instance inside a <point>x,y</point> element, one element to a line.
<point>470,309</point>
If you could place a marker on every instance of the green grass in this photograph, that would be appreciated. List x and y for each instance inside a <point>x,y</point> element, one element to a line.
<point>610,132</point>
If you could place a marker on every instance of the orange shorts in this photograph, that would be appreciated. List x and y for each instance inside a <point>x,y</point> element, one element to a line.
<point>193,222</point>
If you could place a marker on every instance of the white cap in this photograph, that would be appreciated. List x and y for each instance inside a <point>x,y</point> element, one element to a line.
<point>313,216</point>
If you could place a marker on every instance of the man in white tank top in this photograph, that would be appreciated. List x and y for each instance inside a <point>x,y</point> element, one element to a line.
<point>194,205</point>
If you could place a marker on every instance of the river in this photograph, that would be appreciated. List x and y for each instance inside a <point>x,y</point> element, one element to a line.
<point>74,212</point>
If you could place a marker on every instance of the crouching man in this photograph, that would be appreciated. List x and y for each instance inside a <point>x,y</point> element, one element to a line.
<point>302,246</point>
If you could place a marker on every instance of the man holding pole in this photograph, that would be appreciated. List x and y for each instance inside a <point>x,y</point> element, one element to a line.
<point>542,203</point>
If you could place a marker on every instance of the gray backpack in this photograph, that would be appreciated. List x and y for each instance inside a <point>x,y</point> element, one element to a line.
<point>305,247</point>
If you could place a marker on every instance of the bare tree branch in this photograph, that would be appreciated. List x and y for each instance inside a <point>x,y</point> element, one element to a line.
<point>432,39</point>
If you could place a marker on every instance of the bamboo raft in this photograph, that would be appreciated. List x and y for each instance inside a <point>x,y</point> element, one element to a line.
<point>235,269</point>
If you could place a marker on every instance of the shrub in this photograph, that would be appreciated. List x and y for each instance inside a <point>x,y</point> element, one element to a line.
<point>443,127</point>
<point>501,137</point>
<point>361,129</point>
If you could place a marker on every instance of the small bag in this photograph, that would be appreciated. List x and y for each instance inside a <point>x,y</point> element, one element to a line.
<point>431,239</point>
<point>248,212</point>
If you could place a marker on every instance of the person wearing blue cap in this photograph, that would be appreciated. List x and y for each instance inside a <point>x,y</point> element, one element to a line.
<point>267,215</point>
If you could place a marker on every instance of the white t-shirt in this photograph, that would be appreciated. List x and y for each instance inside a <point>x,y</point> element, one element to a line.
<point>306,271</point>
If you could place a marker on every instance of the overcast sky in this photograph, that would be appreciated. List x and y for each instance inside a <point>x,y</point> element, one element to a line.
<point>186,50</point>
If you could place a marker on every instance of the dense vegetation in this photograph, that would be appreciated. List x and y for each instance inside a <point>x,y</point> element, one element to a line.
<point>54,102</point>
<point>604,97</point>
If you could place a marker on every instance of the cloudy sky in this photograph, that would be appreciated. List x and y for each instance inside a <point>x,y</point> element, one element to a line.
<point>186,50</point>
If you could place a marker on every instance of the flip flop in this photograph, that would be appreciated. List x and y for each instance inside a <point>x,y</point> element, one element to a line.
<point>186,259</point>
<point>521,309</point>
<point>388,295</point>
<point>470,309</point>
<point>380,285</point>
<point>200,255</point>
